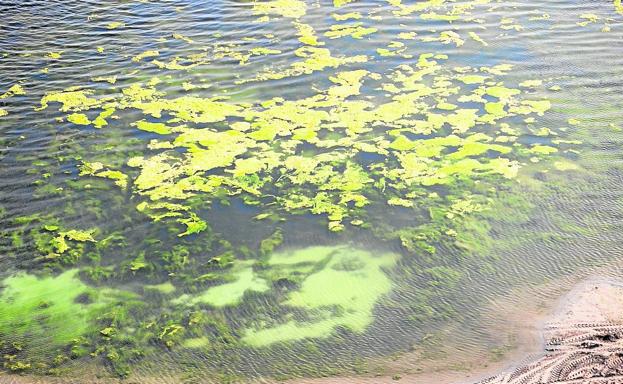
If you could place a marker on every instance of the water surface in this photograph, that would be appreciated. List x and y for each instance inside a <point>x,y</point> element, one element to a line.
<point>232,191</point>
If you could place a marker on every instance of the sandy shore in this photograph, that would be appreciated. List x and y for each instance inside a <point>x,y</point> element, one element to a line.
<point>584,340</point>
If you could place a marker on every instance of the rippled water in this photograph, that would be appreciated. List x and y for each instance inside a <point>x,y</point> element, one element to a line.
<point>282,209</point>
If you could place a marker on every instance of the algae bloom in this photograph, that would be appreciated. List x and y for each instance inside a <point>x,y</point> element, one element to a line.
<point>339,287</point>
<point>217,191</point>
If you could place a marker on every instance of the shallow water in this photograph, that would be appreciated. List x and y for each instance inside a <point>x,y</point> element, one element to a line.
<point>236,190</point>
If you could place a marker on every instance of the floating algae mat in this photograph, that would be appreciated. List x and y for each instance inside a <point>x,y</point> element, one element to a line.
<point>219,191</point>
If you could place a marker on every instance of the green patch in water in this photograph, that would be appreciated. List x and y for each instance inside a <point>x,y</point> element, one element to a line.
<point>228,294</point>
<point>50,310</point>
<point>339,287</point>
<point>164,288</point>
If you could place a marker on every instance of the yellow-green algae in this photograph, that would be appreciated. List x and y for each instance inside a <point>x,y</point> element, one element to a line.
<point>425,98</point>
<point>339,3</point>
<point>159,128</point>
<point>446,37</point>
<point>146,54</point>
<point>443,10</point>
<point>115,25</point>
<point>285,8</point>
<point>228,294</point>
<point>356,31</point>
<point>433,126</point>
<point>15,90</point>
<point>47,310</point>
<point>307,34</point>
<point>313,59</point>
<point>340,287</point>
<point>99,170</point>
<point>164,288</point>
<point>79,119</point>
<point>477,38</point>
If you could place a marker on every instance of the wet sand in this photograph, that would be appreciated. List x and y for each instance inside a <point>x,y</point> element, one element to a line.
<point>584,340</point>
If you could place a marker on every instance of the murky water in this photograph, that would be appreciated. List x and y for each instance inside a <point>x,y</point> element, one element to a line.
<point>232,191</point>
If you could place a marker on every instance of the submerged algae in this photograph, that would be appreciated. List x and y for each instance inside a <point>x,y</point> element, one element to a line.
<point>433,134</point>
<point>422,142</point>
<point>339,287</point>
<point>228,294</point>
<point>49,310</point>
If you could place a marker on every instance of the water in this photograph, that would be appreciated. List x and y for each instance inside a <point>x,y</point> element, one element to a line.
<point>237,191</point>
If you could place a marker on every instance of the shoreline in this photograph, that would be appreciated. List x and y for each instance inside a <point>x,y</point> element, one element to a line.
<point>531,317</point>
<point>584,339</point>
<point>573,309</point>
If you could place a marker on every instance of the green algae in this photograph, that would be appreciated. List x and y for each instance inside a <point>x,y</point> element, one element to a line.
<point>164,288</point>
<point>115,25</point>
<point>307,34</point>
<point>339,3</point>
<point>14,90</point>
<point>108,79</point>
<point>217,149</point>
<point>341,288</point>
<point>437,146</point>
<point>313,59</point>
<point>473,79</point>
<point>71,100</point>
<point>243,159</point>
<point>179,36</point>
<point>285,8</point>
<point>543,149</point>
<point>159,128</point>
<point>447,37</point>
<point>531,83</point>
<point>193,225</point>
<point>356,31</point>
<point>478,39</point>
<point>46,310</point>
<point>98,169</point>
<point>78,235</point>
<point>346,16</point>
<point>100,121</point>
<point>228,294</point>
<point>197,342</point>
<point>79,119</point>
<point>501,92</point>
<point>588,19</point>
<point>144,55</point>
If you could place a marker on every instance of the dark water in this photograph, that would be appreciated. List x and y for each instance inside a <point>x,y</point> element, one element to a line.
<point>172,251</point>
